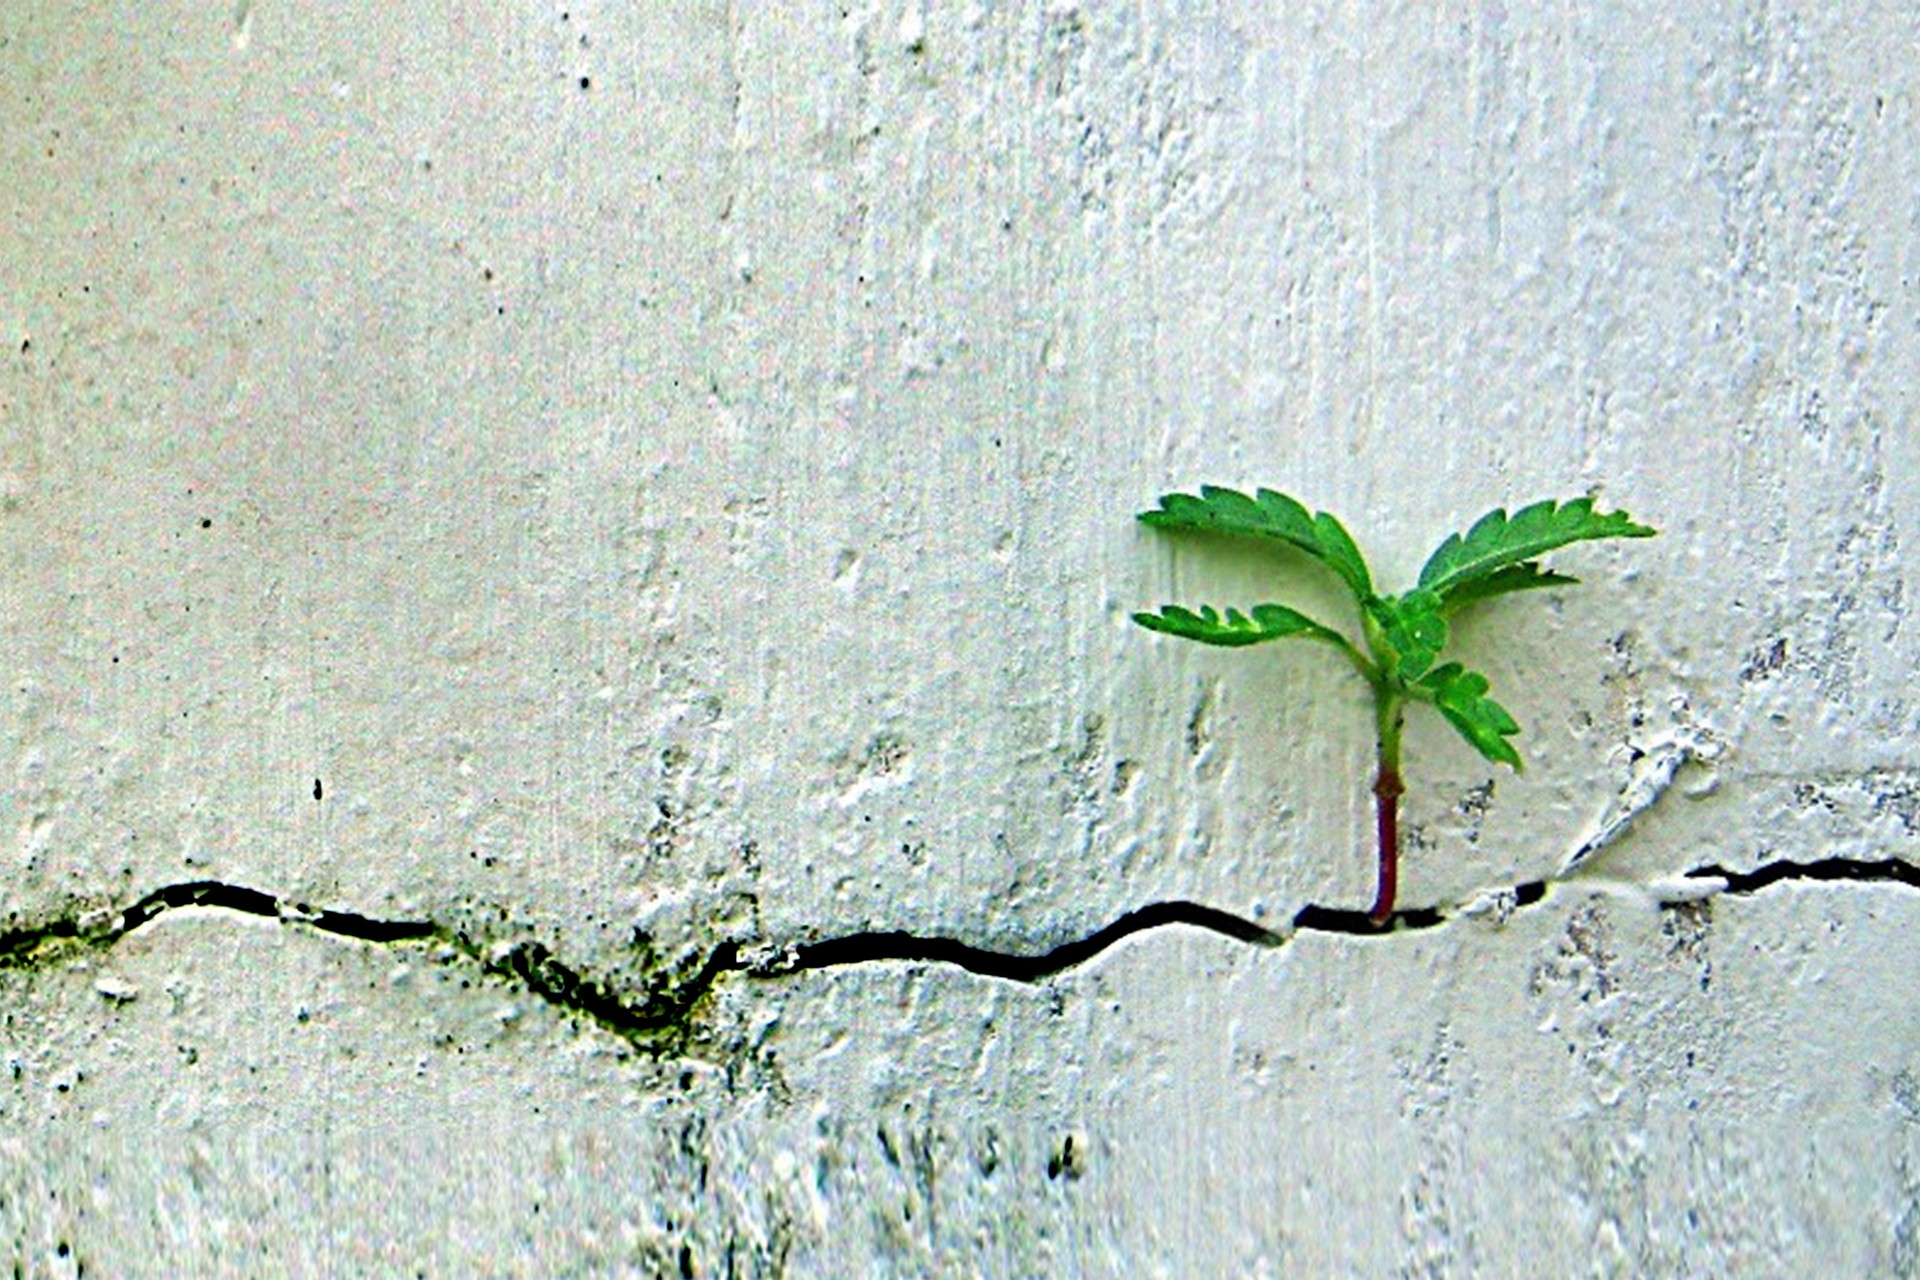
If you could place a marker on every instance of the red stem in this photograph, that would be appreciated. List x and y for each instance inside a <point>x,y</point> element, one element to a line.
<point>1387,790</point>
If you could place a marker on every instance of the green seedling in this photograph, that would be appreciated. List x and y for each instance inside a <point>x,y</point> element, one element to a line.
<point>1404,634</point>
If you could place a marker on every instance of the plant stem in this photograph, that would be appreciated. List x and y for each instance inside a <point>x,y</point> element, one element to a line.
<point>1389,712</point>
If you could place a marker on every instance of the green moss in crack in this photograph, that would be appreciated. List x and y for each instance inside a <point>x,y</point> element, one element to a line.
<point>1403,634</point>
<point>664,1020</point>
<point>43,946</point>
<point>53,943</point>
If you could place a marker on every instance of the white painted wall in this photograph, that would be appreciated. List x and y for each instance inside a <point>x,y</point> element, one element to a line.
<point>670,467</point>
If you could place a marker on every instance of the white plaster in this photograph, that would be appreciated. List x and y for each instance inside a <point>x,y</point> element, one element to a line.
<point>640,478</point>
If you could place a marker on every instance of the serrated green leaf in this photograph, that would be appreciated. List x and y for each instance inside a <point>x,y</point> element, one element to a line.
<point>1411,629</point>
<point>1515,577</point>
<point>1461,696</point>
<point>1497,541</point>
<point>1267,622</point>
<point>1340,552</point>
<point>1267,515</point>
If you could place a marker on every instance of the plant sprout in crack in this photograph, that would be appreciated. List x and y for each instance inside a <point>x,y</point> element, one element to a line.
<point>1404,634</point>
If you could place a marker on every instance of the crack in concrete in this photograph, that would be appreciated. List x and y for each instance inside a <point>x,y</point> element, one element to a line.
<point>529,963</point>
<point>863,948</point>
<point>662,1020</point>
<point>1880,871</point>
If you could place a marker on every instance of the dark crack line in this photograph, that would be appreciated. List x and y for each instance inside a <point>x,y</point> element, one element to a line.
<point>1827,870</point>
<point>233,897</point>
<point>530,964</point>
<point>864,948</point>
<point>663,1016</point>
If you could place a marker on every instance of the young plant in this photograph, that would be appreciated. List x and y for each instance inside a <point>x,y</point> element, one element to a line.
<point>1404,634</point>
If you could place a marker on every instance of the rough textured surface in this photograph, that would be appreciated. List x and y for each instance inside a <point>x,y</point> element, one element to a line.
<point>612,483</point>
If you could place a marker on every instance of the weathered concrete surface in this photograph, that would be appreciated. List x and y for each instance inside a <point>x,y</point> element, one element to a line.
<point>637,478</point>
<point>1725,1090</point>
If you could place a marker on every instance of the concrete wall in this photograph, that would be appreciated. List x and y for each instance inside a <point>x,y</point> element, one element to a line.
<point>605,500</point>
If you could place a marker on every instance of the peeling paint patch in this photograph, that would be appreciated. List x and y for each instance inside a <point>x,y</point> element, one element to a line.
<point>1655,770</point>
